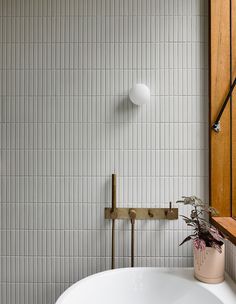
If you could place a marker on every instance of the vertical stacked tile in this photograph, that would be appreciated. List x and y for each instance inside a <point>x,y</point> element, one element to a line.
<point>67,125</point>
<point>230,259</point>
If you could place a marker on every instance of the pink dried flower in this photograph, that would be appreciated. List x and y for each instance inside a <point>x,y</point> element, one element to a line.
<point>215,233</point>
<point>199,244</point>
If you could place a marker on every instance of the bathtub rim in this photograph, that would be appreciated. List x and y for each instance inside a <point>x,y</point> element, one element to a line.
<point>224,291</point>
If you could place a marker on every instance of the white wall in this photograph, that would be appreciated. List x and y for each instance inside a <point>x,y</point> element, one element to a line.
<point>230,264</point>
<point>67,125</point>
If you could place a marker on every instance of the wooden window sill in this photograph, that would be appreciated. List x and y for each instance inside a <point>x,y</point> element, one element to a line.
<point>227,225</point>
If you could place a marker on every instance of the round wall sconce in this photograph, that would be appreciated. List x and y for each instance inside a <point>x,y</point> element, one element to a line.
<point>139,94</point>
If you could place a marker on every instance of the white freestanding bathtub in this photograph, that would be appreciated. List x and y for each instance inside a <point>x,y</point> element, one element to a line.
<point>148,286</point>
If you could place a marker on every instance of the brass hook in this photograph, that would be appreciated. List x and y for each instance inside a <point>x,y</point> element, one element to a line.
<point>150,213</point>
<point>132,215</point>
<point>169,213</point>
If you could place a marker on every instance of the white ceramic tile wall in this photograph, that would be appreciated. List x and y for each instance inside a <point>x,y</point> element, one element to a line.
<point>67,125</point>
<point>230,259</point>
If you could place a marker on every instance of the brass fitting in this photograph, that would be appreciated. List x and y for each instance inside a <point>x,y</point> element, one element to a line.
<point>132,215</point>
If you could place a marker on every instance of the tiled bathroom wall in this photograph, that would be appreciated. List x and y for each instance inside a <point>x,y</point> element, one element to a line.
<point>67,125</point>
<point>230,259</point>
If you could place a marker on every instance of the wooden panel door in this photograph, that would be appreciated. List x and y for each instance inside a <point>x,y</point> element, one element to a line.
<point>220,181</point>
<point>233,65</point>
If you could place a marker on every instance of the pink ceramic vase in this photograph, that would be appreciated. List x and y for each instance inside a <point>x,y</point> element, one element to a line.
<point>209,265</point>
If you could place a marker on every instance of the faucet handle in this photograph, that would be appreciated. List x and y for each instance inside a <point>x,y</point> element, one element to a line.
<point>132,215</point>
<point>150,213</point>
<point>114,214</point>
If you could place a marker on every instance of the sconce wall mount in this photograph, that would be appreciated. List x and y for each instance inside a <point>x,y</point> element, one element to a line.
<point>139,94</point>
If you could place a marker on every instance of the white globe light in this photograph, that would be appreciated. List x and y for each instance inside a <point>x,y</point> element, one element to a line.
<point>139,94</point>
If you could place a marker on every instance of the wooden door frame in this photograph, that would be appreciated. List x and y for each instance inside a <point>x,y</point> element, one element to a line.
<point>222,145</point>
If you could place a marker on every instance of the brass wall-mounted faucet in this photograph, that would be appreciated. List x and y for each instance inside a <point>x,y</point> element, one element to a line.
<point>134,214</point>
